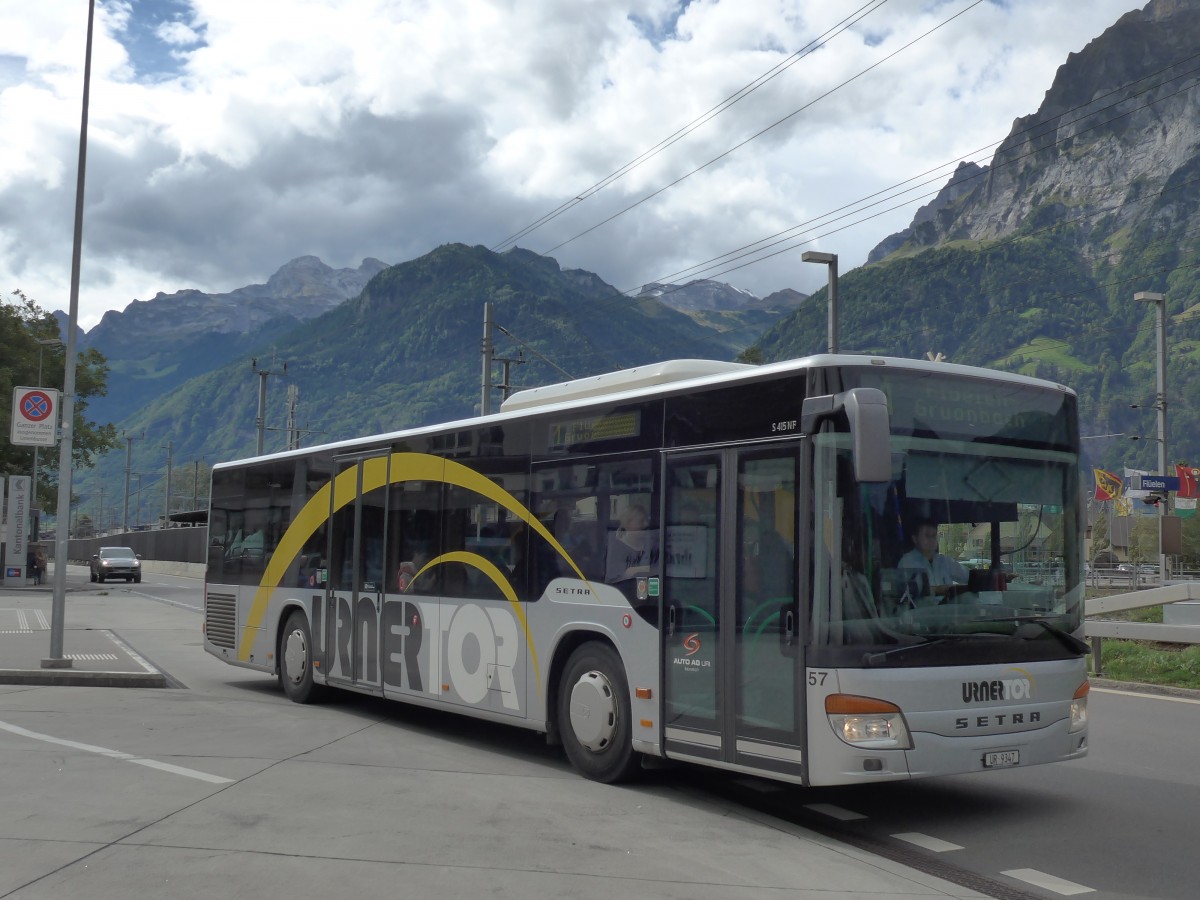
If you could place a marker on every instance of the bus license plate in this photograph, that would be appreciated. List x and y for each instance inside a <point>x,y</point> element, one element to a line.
<point>1001,759</point>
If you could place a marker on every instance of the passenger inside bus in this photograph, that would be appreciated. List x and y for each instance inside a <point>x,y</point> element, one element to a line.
<point>632,549</point>
<point>767,563</point>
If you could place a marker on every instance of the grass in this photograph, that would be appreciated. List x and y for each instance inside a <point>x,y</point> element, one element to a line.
<point>1173,665</point>
<point>1148,662</point>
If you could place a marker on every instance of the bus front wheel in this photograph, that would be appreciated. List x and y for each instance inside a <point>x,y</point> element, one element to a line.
<point>296,660</point>
<point>594,716</point>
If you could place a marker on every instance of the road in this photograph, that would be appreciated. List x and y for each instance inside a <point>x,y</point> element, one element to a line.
<point>1118,824</point>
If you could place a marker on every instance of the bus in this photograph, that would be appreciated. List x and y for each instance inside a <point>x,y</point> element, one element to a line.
<point>692,560</point>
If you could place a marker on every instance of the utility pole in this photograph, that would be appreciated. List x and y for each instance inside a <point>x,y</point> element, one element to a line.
<point>260,423</point>
<point>129,439</point>
<point>167,502</point>
<point>1160,404</point>
<point>485,404</point>
<point>293,434</point>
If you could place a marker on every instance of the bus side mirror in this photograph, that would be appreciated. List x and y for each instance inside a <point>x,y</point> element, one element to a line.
<point>870,428</point>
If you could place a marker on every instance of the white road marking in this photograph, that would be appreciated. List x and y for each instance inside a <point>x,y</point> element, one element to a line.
<point>116,754</point>
<point>834,812</point>
<point>937,845</point>
<point>1145,696</point>
<point>1048,882</point>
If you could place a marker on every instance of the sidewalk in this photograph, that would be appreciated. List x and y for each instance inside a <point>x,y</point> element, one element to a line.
<point>90,656</point>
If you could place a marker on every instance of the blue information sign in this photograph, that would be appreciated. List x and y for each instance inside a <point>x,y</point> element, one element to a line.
<point>1155,483</point>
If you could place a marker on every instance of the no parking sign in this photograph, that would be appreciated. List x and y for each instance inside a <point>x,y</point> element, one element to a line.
<point>34,416</point>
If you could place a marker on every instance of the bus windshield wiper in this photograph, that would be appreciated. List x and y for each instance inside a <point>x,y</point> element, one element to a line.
<point>874,659</point>
<point>1065,638</point>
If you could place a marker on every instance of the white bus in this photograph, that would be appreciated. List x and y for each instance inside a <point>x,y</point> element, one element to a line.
<point>694,561</point>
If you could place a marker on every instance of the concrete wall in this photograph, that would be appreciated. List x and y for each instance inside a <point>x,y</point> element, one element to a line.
<point>170,551</point>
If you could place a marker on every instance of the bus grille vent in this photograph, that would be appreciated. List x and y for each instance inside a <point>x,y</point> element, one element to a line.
<point>220,619</point>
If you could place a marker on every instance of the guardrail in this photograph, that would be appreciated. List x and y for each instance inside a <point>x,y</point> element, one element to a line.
<point>1174,633</point>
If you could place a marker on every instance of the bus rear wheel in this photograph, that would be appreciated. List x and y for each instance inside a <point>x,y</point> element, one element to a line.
<point>594,717</point>
<point>296,660</point>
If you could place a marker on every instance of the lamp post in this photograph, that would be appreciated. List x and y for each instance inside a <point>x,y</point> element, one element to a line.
<point>830,260</point>
<point>56,659</point>
<point>1160,404</point>
<point>35,510</point>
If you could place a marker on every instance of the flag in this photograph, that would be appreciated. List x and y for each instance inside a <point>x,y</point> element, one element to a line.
<point>1122,506</point>
<point>1108,485</point>
<point>1189,482</point>
<point>1185,509</point>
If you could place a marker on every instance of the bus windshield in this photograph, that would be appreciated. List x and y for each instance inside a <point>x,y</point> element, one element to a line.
<point>962,557</point>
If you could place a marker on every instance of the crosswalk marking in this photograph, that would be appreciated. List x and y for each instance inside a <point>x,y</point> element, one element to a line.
<point>1048,882</point>
<point>937,845</point>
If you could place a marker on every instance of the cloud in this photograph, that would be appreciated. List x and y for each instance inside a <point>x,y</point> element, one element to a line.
<point>228,137</point>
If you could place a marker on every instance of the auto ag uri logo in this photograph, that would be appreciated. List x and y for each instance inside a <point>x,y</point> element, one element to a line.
<point>691,644</point>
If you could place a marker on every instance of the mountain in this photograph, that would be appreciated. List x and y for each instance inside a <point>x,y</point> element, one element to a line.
<point>152,346</point>
<point>1030,263</point>
<point>406,352</point>
<point>704,295</point>
<point>738,316</point>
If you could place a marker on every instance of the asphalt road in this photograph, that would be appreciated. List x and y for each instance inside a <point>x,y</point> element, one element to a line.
<point>328,787</point>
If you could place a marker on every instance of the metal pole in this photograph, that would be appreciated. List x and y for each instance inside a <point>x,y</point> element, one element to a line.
<point>56,660</point>
<point>167,517</point>
<point>830,260</point>
<point>485,405</point>
<point>260,419</point>
<point>1160,404</point>
<point>128,468</point>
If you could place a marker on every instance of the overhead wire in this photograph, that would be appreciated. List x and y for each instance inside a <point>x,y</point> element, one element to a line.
<point>760,246</point>
<point>739,95</point>
<point>759,134</point>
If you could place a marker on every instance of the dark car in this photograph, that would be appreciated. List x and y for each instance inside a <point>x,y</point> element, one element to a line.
<point>116,562</point>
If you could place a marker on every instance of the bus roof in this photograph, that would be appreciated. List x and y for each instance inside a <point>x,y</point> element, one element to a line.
<point>670,374</point>
<point>618,382</point>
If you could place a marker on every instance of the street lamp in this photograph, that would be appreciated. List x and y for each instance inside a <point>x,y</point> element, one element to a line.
<point>1160,404</point>
<point>831,260</point>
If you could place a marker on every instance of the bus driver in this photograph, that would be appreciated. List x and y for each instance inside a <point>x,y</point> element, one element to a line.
<point>943,572</point>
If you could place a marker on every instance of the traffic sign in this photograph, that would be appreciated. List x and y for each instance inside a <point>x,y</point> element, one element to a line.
<point>1155,483</point>
<point>34,416</point>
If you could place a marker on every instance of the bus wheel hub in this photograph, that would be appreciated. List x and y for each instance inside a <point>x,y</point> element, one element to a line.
<point>295,656</point>
<point>594,711</point>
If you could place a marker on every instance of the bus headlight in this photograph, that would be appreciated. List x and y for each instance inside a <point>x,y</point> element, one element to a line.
<point>867,722</point>
<point>1079,708</point>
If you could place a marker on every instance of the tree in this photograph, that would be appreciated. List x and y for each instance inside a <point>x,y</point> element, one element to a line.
<point>22,325</point>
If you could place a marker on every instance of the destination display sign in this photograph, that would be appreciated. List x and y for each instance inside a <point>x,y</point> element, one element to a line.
<point>1155,483</point>
<point>927,403</point>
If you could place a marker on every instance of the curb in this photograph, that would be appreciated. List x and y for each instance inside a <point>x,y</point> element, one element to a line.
<point>83,679</point>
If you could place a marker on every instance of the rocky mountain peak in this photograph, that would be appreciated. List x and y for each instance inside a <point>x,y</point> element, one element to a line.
<point>1118,121</point>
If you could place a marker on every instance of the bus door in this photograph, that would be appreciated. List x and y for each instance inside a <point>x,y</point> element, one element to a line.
<point>354,593</point>
<point>732,658</point>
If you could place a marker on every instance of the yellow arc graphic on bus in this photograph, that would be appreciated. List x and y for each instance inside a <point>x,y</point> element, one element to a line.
<point>377,472</point>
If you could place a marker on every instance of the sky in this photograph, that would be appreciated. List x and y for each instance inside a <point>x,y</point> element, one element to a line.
<point>227,137</point>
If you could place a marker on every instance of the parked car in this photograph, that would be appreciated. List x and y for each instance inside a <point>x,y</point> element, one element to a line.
<point>116,562</point>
